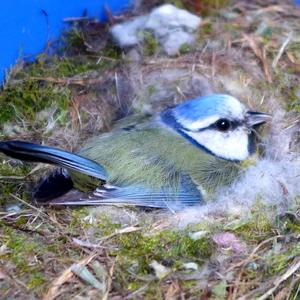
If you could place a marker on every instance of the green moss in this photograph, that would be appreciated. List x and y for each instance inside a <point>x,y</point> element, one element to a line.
<point>21,250</point>
<point>294,99</point>
<point>294,47</point>
<point>169,247</point>
<point>57,67</point>
<point>289,222</point>
<point>206,29</point>
<point>177,3</point>
<point>295,293</point>
<point>78,215</point>
<point>220,290</point>
<point>258,226</point>
<point>21,221</point>
<point>7,169</point>
<point>135,251</point>
<point>212,7</point>
<point>36,280</point>
<point>107,227</point>
<point>41,84</point>
<point>73,39</point>
<point>185,48</point>
<point>24,99</point>
<point>8,182</point>
<point>28,254</point>
<point>277,262</point>
<point>112,52</point>
<point>150,44</point>
<point>151,89</point>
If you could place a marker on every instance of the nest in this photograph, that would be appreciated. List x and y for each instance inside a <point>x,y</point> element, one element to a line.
<point>245,249</point>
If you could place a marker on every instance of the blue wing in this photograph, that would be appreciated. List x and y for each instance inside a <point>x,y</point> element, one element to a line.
<point>137,195</point>
<point>186,194</point>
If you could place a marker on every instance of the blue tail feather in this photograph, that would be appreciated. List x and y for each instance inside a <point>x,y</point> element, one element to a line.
<point>38,153</point>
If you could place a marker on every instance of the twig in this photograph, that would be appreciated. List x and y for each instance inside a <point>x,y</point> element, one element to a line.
<point>262,288</point>
<point>128,229</point>
<point>68,81</point>
<point>236,284</point>
<point>279,280</point>
<point>5,215</point>
<point>109,281</point>
<point>250,257</point>
<point>265,65</point>
<point>291,287</point>
<point>75,106</point>
<point>29,205</point>
<point>270,8</point>
<point>81,243</point>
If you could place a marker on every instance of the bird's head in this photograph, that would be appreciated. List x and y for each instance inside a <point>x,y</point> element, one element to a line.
<point>219,124</point>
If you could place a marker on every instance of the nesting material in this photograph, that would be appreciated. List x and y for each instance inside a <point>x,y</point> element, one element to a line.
<point>127,33</point>
<point>172,28</point>
<point>243,244</point>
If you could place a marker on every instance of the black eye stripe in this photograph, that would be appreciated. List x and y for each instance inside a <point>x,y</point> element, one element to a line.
<point>233,126</point>
<point>169,118</point>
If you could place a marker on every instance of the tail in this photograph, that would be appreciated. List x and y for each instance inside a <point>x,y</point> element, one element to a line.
<point>38,153</point>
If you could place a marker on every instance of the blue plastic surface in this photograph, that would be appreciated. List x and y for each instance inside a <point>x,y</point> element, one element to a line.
<point>26,26</point>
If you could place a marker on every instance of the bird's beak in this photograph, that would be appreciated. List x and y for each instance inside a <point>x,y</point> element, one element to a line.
<point>254,118</point>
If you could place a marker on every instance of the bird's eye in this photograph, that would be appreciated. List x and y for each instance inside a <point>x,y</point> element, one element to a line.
<point>223,125</point>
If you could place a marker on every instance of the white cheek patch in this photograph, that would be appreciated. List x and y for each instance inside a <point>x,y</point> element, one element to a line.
<point>196,125</point>
<point>231,145</point>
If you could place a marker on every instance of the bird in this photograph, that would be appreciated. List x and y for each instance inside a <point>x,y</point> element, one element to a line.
<point>175,159</point>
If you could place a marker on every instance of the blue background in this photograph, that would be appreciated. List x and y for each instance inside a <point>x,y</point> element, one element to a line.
<point>27,25</point>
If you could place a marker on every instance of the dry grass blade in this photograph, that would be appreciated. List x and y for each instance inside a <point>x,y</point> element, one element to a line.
<point>69,81</point>
<point>271,8</point>
<point>281,279</point>
<point>29,205</point>
<point>255,250</point>
<point>282,294</point>
<point>253,45</point>
<point>109,281</point>
<point>258,291</point>
<point>281,50</point>
<point>12,177</point>
<point>266,65</point>
<point>128,229</point>
<point>260,53</point>
<point>172,291</point>
<point>54,291</point>
<point>75,114</point>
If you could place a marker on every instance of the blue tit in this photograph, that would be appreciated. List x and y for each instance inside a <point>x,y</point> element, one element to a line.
<point>175,159</point>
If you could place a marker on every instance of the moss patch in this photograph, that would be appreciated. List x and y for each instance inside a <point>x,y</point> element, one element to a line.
<point>26,98</point>
<point>12,180</point>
